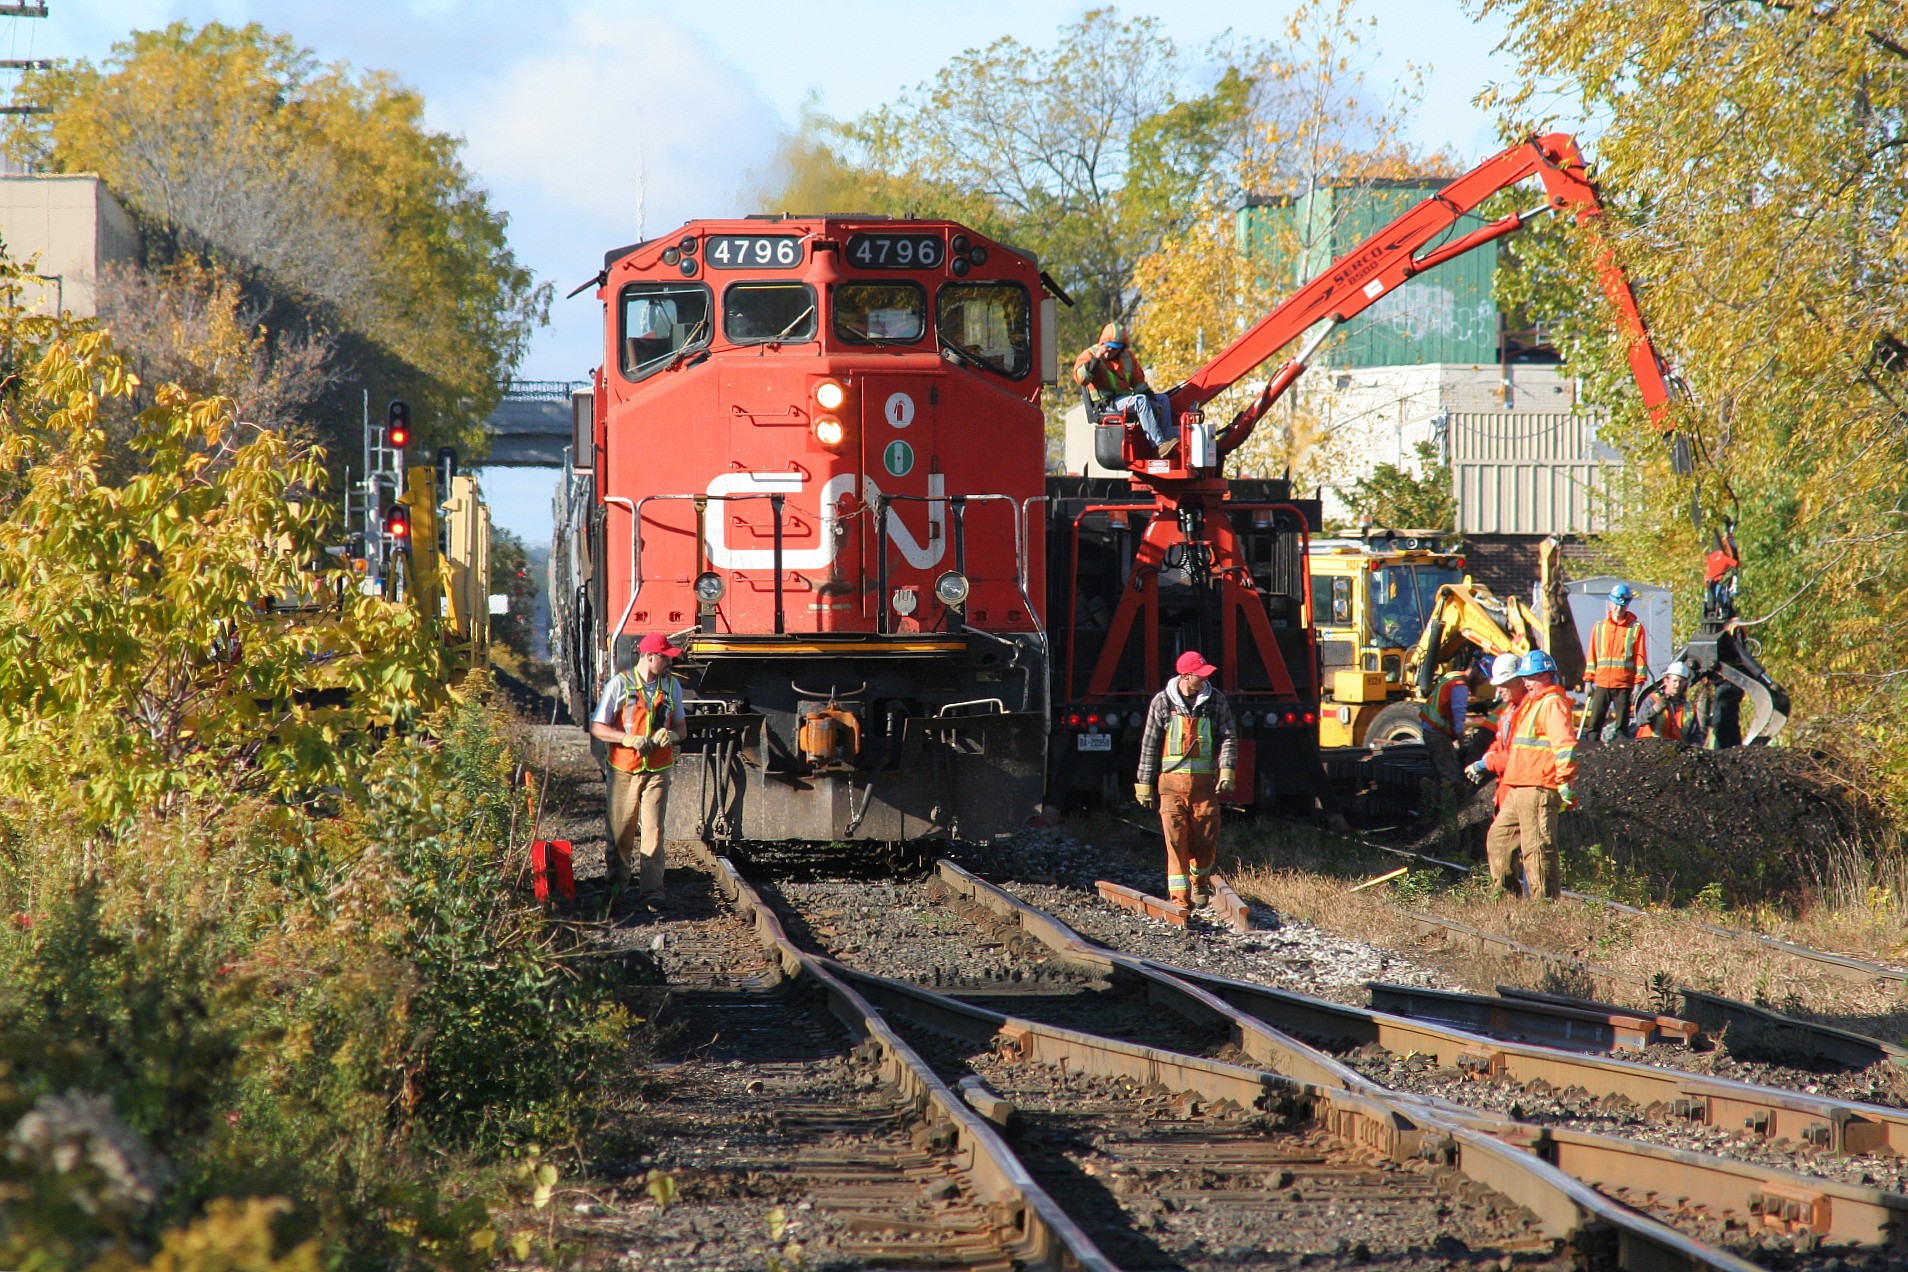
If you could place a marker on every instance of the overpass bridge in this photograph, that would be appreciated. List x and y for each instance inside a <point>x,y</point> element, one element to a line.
<point>531,425</point>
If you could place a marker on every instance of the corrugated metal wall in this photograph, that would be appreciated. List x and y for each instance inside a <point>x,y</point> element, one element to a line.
<point>1522,472</point>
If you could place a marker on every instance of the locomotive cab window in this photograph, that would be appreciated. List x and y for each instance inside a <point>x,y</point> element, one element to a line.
<point>879,313</point>
<point>661,320</point>
<point>988,323</point>
<point>769,313</point>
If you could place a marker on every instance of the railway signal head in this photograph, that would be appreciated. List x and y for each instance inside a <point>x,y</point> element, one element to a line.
<point>397,524</point>
<point>397,424</point>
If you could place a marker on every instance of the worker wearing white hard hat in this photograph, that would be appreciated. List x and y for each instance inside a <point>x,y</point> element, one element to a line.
<point>1510,692</point>
<point>1668,712</point>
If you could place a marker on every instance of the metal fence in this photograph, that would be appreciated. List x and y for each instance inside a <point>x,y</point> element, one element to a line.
<point>1526,472</point>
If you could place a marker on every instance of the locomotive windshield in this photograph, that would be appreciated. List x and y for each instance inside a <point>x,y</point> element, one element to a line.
<point>769,313</point>
<point>988,323</point>
<point>661,320</point>
<point>880,313</point>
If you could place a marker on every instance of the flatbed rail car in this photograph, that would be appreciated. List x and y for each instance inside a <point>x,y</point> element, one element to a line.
<point>813,457</point>
<point>1110,660</point>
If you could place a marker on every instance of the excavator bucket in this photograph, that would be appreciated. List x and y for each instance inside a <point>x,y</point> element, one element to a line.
<point>1765,716</point>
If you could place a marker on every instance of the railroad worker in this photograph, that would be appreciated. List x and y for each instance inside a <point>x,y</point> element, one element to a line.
<point>1112,370</point>
<point>1669,713</point>
<point>1189,748</point>
<point>641,717</point>
<point>1619,663</point>
<point>1442,716</point>
<point>1539,764</point>
<point>1511,693</point>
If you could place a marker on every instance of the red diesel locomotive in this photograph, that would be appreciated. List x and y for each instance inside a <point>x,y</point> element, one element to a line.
<point>813,457</point>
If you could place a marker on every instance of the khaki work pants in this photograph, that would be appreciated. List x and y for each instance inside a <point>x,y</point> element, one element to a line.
<point>636,825</point>
<point>1526,822</point>
<point>1189,814</point>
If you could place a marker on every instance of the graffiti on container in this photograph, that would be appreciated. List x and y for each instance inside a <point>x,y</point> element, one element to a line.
<point>1421,309</point>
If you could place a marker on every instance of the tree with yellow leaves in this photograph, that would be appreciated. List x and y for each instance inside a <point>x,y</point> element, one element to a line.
<point>322,191</point>
<point>1755,161</point>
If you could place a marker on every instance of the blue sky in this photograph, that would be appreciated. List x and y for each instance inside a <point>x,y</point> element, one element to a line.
<point>584,116</point>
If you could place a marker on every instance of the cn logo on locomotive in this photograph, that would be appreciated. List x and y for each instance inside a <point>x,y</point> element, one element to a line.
<point>822,554</point>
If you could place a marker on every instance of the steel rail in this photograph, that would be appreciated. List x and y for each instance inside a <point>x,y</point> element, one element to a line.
<point>1843,1126</point>
<point>1480,1148</point>
<point>1493,1150</point>
<point>1828,1042</point>
<point>1855,968</point>
<point>1029,1223</point>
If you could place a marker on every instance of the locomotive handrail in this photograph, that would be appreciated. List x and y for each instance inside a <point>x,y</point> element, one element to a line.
<point>776,499</point>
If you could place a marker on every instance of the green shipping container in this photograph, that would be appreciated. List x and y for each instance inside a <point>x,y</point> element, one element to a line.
<point>1445,315</point>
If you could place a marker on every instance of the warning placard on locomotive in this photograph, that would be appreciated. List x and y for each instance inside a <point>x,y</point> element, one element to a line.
<point>754,251</point>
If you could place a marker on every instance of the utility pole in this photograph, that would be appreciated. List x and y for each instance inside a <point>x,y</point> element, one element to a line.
<point>28,9</point>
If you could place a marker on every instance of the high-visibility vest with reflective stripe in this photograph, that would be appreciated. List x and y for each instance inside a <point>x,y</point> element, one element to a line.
<point>643,714</point>
<point>1613,656</point>
<point>1188,747</point>
<point>1435,712</point>
<point>1672,720</point>
<point>1532,760</point>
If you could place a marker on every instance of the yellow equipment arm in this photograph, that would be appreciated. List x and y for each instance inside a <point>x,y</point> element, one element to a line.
<point>1467,616</point>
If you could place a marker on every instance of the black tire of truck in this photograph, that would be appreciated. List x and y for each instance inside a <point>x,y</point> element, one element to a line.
<point>1397,723</point>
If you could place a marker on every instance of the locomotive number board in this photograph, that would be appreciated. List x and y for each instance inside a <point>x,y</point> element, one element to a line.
<point>895,251</point>
<point>753,251</point>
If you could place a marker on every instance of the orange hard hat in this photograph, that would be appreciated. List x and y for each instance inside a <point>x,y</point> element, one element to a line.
<point>1113,332</point>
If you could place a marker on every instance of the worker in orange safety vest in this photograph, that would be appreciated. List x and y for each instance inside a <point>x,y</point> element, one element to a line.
<point>1111,369</point>
<point>1618,665</point>
<point>1669,714</point>
<point>1442,716</point>
<point>1511,694</point>
<point>1189,750</point>
<point>641,717</point>
<point>1539,766</point>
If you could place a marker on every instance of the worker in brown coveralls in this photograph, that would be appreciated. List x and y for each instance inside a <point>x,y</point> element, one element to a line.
<point>641,717</point>
<point>1188,755</point>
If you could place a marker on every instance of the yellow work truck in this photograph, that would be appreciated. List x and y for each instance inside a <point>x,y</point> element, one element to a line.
<point>1371,599</point>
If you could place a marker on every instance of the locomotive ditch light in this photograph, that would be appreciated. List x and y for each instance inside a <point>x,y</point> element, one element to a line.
<point>906,599</point>
<point>829,396</point>
<point>829,432</point>
<point>710,587</point>
<point>951,589</point>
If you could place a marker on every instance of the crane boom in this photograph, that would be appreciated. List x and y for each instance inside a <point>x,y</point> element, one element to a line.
<point>1400,251</point>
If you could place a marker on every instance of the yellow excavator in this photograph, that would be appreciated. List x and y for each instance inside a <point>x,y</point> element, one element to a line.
<point>1395,610</point>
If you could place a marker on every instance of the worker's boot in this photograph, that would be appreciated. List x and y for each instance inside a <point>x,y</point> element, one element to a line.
<point>1167,447</point>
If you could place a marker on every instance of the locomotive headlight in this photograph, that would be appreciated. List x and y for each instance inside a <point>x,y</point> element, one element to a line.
<point>829,396</point>
<point>951,589</point>
<point>829,432</point>
<point>710,587</point>
<point>905,600</point>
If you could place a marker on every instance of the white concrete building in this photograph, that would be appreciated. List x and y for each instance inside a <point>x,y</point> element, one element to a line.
<point>75,227</point>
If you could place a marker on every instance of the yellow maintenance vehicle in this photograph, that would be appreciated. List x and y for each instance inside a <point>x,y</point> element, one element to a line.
<point>1394,609</point>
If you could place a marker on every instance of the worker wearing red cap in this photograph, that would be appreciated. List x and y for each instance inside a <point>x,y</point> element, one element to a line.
<point>1187,760</point>
<point>640,716</point>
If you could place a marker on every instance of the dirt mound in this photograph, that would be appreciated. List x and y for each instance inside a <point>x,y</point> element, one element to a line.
<point>1760,821</point>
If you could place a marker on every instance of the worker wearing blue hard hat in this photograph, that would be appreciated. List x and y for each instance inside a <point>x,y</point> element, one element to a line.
<point>1539,764</point>
<point>1442,715</point>
<point>1617,667</point>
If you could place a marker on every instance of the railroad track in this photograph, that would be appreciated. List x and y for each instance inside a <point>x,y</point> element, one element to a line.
<point>1232,1060</point>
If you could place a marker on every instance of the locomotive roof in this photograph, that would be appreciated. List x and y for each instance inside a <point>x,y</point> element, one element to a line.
<point>822,220</point>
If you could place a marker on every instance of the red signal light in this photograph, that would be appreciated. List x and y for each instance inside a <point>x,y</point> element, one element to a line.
<point>397,523</point>
<point>400,437</point>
